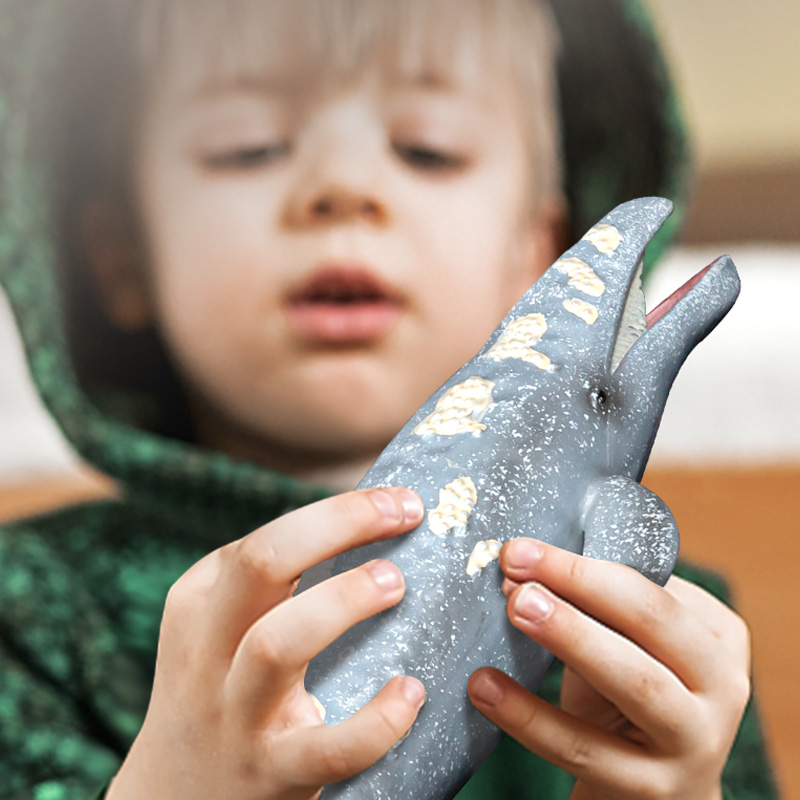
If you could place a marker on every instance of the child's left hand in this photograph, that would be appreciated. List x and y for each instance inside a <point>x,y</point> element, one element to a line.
<point>656,679</point>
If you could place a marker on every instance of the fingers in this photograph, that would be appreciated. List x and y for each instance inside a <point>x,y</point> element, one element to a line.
<point>644,690</point>
<point>258,571</point>
<point>726,628</point>
<point>321,755</point>
<point>330,527</point>
<point>588,753</point>
<point>658,621</point>
<point>275,651</point>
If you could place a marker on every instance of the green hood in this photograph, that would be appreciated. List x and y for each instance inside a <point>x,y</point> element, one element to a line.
<point>623,138</point>
<point>83,591</point>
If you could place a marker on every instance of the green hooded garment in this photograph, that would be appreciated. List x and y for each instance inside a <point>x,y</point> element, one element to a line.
<point>82,590</point>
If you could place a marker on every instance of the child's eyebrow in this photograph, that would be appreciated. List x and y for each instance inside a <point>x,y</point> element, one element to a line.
<point>283,83</point>
<point>242,83</point>
<point>428,80</point>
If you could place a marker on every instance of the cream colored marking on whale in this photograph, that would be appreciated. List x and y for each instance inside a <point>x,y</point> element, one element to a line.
<point>460,409</point>
<point>517,341</point>
<point>583,310</point>
<point>456,502</point>
<point>482,555</point>
<point>605,238</point>
<point>581,276</point>
<point>320,708</point>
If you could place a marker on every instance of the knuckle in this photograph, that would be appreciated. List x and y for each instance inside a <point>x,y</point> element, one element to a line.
<point>745,688</point>
<point>358,510</point>
<point>347,593</point>
<point>653,609</point>
<point>707,749</point>
<point>356,594</point>
<point>712,741</point>
<point>739,691</point>
<point>266,648</point>
<point>179,606</point>
<point>178,600</point>
<point>651,790</point>
<point>337,760</point>
<point>578,752</point>
<point>388,729</point>
<point>529,726</point>
<point>667,788</point>
<point>741,633</point>
<point>228,553</point>
<point>576,568</point>
<point>646,689</point>
<point>659,782</point>
<point>193,589</point>
<point>351,514</point>
<point>257,559</point>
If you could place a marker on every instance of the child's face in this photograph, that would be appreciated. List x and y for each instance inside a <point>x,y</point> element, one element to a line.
<point>320,261</point>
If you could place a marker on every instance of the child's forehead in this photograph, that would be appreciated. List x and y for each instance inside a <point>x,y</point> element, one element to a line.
<point>324,44</point>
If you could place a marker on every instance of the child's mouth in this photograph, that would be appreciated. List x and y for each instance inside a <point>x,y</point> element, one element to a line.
<point>343,304</point>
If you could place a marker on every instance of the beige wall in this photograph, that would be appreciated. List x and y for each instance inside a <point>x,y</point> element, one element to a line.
<point>738,65</point>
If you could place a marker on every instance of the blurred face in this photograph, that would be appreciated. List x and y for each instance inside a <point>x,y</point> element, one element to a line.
<point>321,260</point>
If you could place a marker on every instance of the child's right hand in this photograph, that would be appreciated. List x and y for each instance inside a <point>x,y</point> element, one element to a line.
<point>229,716</point>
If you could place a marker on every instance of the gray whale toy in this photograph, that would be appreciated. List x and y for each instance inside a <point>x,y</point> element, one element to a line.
<point>544,433</point>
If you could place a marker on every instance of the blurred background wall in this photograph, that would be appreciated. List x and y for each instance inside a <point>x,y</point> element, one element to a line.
<point>727,460</point>
<point>728,456</point>
<point>738,65</point>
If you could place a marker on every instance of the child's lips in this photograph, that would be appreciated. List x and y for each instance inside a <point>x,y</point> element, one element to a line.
<point>343,304</point>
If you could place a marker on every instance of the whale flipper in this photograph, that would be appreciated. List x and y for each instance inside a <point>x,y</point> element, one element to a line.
<point>627,523</point>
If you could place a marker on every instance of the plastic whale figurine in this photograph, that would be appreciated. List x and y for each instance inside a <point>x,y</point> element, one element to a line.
<point>544,433</point>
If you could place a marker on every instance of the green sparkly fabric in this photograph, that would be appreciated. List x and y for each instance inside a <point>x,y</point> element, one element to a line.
<point>82,590</point>
<point>81,596</point>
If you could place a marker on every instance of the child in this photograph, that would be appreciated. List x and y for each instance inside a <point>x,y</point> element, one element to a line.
<point>291,221</point>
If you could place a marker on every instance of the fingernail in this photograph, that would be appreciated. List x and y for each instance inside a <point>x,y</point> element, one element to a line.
<point>532,603</point>
<point>386,504</point>
<point>486,689</point>
<point>413,691</point>
<point>523,554</point>
<point>385,574</point>
<point>412,506</point>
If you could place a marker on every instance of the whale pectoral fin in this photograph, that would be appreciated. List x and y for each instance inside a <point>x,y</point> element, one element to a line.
<point>626,523</point>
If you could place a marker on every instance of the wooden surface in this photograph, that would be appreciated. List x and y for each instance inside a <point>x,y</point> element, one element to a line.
<point>742,522</point>
<point>47,494</point>
<point>753,204</point>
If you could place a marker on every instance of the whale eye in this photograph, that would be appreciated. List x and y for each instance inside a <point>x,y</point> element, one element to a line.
<point>599,399</point>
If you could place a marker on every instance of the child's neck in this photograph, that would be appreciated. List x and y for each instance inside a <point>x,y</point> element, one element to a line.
<point>339,472</point>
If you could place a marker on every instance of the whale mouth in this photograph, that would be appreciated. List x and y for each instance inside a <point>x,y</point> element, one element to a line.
<point>633,320</point>
<point>665,306</point>
<point>636,320</point>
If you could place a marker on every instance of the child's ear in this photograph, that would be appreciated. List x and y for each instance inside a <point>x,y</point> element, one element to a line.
<point>547,238</point>
<point>115,260</point>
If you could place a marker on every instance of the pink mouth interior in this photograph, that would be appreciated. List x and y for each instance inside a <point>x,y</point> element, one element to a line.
<point>340,301</point>
<point>667,305</point>
<point>342,289</point>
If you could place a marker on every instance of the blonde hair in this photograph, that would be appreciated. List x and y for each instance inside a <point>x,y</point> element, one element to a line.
<point>113,52</point>
<point>516,41</point>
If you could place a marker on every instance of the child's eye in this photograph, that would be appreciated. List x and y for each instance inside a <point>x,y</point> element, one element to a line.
<point>428,159</point>
<point>248,157</point>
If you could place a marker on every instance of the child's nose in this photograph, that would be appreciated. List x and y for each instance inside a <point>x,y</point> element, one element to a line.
<point>342,176</point>
<point>332,203</point>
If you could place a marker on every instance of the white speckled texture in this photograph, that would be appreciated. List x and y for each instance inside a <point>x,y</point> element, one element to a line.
<point>559,459</point>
